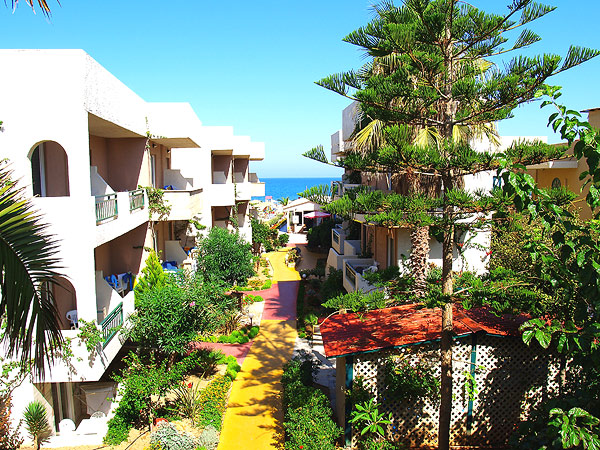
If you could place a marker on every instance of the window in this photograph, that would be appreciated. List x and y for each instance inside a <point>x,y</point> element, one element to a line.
<point>153,170</point>
<point>556,183</point>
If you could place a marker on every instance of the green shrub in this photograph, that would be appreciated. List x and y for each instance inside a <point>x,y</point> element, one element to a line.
<point>202,362</point>
<point>209,439</point>
<point>308,421</point>
<point>283,239</point>
<point>118,430</point>
<point>253,332</point>
<point>171,316</point>
<point>357,301</point>
<point>224,256</point>
<point>167,437</point>
<point>143,381</point>
<point>333,284</point>
<point>263,235</point>
<point>320,236</point>
<point>238,336</point>
<point>214,401</point>
<point>410,380</point>
<point>266,285</point>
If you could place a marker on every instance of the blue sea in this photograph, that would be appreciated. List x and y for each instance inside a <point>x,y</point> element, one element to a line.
<point>289,187</point>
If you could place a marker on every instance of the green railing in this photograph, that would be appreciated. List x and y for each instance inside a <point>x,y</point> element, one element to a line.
<point>136,199</point>
<point>351,274</point>
<point>112,324</point>
<point>106,207</point>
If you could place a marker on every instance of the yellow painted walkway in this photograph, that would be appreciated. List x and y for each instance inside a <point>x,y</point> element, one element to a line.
<point>254,415</point>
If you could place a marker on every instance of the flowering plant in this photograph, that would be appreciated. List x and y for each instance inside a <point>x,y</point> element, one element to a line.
<point>410,379</point>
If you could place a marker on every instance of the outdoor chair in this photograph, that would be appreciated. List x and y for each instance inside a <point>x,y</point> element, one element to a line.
<point>66,426</point>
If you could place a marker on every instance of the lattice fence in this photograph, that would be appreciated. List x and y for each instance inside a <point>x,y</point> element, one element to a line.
<point>509,378</point>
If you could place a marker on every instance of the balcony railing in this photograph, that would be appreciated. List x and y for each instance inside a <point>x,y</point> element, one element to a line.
<point>336,236</point>
<point>136,199</point>
<point>111,324</point>
<point>351,274</point>
<point>106,207</point>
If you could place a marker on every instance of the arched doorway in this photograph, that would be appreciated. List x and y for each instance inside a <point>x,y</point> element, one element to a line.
<point>49,170</point>
<point>65,300</point>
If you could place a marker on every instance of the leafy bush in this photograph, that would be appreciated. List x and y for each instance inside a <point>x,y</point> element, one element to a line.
<point>283,239</point>
<point>213,401</point>
<point>209,439</point>
<point>266,285</point>
<point>410,380</point>
<point>202,362</point>
<point>308,419</point>
<point>380,277</point>
<point>143,380</point>
<point>167,437</point>
<point>36,423</point>
<point>263,235</point>
<point>224,256</point>
<point>333,284</point>
<point>319,236</point>
<point>240,336</point>
<point>171,316</point>
<point>357,301</point>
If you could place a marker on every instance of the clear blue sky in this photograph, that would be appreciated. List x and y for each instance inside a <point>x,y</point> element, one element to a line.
<point>252,64</point>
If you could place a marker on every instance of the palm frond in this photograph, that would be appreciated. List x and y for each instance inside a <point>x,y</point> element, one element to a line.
<point>28,267</point>
<point>427,137</point>
<point>43,4</point>
<point>370,137</point>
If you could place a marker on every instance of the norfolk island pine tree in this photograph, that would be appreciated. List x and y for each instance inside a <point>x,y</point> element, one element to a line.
<point>432,67</point>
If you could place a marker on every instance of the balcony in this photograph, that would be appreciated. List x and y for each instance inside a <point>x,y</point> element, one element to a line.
<point>184,204</point>
<point>353,270</point>
<point>106,208</point>
<point>258,188</point>
<point>243,191</point>
<point>338,236</point>
<point>341,249</point>
<point>84,366</point>
<point>111,325</point>
<point>117,213</point>
<point>136,200</point>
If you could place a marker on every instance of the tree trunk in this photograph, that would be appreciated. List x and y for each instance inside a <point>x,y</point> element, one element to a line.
<point>447,326</point>
<point>419,238</point>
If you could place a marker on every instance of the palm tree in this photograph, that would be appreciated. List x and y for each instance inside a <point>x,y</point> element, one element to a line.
<point>28,269</point>
<point>43,4</point>
<point>284,201</point>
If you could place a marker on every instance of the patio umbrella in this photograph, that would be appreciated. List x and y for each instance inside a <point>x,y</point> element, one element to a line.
<point>316,215</point>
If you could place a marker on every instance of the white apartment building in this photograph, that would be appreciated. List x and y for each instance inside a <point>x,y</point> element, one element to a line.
<point>82,143</point>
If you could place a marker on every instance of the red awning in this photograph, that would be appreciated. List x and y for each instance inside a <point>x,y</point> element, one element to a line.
<point>346,334</point>
<point>316,215</point>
